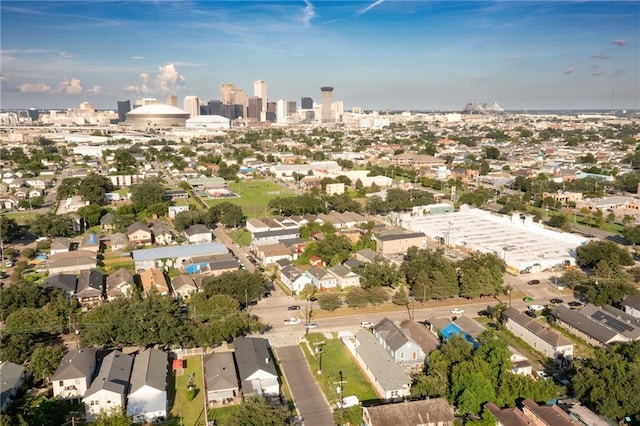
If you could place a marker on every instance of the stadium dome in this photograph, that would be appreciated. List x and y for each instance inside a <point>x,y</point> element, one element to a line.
<point>157,115</point>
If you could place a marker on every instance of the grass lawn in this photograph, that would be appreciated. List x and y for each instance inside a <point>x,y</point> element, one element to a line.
<point>254,196</point>
<point>336,358</point>
<point>191,412</point>
<point>22,217</point>
<point>222,415</point>
<point>240,236</point>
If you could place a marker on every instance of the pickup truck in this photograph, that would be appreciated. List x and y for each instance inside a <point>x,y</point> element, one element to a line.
<point>292,321</point>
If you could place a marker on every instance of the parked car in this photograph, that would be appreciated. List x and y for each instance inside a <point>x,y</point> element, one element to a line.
<point>366,324</point>
<point>292,321</point>
<point>528,299</point>
<point>533,282</point>
<point>457,311</point>
<point>556,301</point>
<point>542,375</point>
<point>531,314</point>
<point>313,298</point>
<point>294,308</point>
<point>535,308</point>
<point>311,325</point>
<point>576,304</point>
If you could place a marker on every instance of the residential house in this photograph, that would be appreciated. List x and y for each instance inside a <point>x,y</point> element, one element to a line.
<point>211,265</point>
<point>256,225</point>
<point>60,245</point>
<point>276,235</point>
<point>366,255</point>
<point>293,278</point>
<point>90,242</point>
<point>175,256</point>
<point>65,282</point>
<point>71,262</point>
<point>74,374</point>
<point>198,233</point>
<point>538,336</point>
<point>631,305</point>
<point>387,377</point>
<point>221,381</point>
<point>109,389</point>
<point>530,413</point>
<point>174,210</point>
<point>12,376</point>
<point>426,412</point>
<point>399,345</point>
<point>147,397</point>
<point>154,280</point>
<point>256,368</point>
<point>162,234</point>
<point>118,241</point>
<point>269,254</point>
<point>321,279</point>
<point>119,284</point>
<point>108,222</point>
<point>139,234</point>
<point>345,276</point>
<point>422,336</point>
<point>90,290</point>
<point>392,242</point>
<point>521,364</point>
<point>183,286</point>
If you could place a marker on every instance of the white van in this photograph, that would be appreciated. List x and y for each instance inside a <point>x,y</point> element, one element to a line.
<point>348,401</point>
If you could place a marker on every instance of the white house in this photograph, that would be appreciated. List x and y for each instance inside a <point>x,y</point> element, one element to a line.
<point>147,399</point>
<point>293,278</point>
<point>256,368</point>
<point>345,276</point>
<point>73,376</point>
<point>109,389</point>
<point>538,336</point>
<point>198,233</point>
<point>321,279</point>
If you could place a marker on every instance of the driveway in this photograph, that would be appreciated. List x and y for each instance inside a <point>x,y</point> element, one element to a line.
<point>309,400</point>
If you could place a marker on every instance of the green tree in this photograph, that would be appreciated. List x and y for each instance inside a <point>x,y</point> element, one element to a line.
<point>592,253</point>
<point>91,213</point>
<point>45,360</point>
<point>631,234</point>
<point>357,297</point>
<point>115,417</point>
<point>329,301</point>
<point>480,275</point>
<point>51,225</point>
<point>68,188</point>
<point>93,188</point>
<point>241,285</point>
<point>401,298</point>
<point>9,230</point>
<point>259,412</point>
<point>147,193</point>
<point>379,273</point>
<point>430,274</point>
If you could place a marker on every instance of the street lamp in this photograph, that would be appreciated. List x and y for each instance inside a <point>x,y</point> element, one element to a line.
<point>509,288</point>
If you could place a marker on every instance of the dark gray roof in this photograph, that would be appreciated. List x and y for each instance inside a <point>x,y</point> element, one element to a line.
<point>386,371</point>
<point>113,375</point>
<point>411,413</point>
<point>137,226</point>
<point>65,282</point>
<point>222,265</point>
<point>291,272</point>
<point>107,219</point>
<point>90,282</point>
<point>277,233</point>
<point>291,241</point>
<point>392,334</point>
<point>318,272</point>
<point>535,327</point>
<point>352,263</point>
<point>77,363</point>
<point>422,336</point>
<point>614,319</point>
<point>402,236</point>
<point>632,301</point>
<point>583,324</point>
<point>181,281</point>
<point>61,243</point>
<point>367,254</point>
<point>220,371</point>
<point>150,368</point>
<point>252,354</point>
<point>471,327</point>
<point>341,270</point>
<point>283,262</point>
<point>121,277</point>
<point>197,229</point>
<point>11,376</point>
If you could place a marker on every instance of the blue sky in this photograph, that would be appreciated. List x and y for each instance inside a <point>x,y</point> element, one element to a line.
<point>384,54</point>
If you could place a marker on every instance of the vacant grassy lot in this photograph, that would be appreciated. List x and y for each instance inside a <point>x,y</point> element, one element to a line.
<point>254,196</point>
<point>336,358</point>
<point>240,236</point>
<point>191,412</point>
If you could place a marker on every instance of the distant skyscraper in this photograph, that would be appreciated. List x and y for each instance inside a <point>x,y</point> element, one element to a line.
<point>191,105</point>
<point>327,93</point>
<point>281,111</point>
<point>214,107</point>
<point>255,108</point>
<point>306,103</point>
<point>271,107</point>
<point>291,107</point>
<point>172,100</point>
<point>226,91</point>
<point>260,91</point>
<point>123,108</point>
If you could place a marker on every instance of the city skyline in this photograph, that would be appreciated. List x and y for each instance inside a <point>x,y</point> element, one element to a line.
<point>376,54</point>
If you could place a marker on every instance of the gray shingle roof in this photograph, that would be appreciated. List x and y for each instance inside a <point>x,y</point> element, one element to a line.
<point>585,325</point>
<point>252,354</point>
<point>150,368</point>
<point>391,333</point>
<point>113,375</point>
<point>76,364</point>
<point>535,327</point>
<point>220,371</point>
<point>387,372</point>
<point>411,413</point>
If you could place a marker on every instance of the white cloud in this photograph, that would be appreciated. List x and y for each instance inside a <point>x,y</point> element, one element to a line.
<point>95,90</point>
<point>308,13</point>
<point>139,58</point>
<point>168,79</point>
<point>70,87</point>
<point>34,88</point>
<point>368,8</point>
<point>569,70</point>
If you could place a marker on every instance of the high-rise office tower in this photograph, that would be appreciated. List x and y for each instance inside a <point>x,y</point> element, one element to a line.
<point>306,103</point>
<point>192,105</point>
<point>291,107</point>
<point>226,91</point>
<point>281,111</point>
<point>255,108</point>
<point>123,108</point>
<point>271,107</point>
<point>260,91</point>
<point>327,93</point>
<point>172,100</point>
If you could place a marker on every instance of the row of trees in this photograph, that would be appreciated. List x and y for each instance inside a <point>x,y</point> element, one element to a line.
<point>470,377</point>
<point>229,214</point>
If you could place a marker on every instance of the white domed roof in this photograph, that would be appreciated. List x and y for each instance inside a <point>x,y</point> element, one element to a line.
<point>157,109</point>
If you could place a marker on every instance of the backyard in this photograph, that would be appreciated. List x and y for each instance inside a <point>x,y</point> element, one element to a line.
<point>188,412</point>
<point>336,359</point>
<point>254,196</point>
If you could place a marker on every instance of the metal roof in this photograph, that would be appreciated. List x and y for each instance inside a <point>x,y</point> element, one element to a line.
<point>179,251</point>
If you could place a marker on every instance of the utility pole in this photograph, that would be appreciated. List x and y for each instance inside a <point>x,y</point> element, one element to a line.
<point>341,395</point>
<point>319,351</point>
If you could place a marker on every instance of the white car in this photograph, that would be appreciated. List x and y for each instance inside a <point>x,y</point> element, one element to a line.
<point>535,307</point>
<point>366,324</point>
<point>457,311</point>
<point>311,325</point>
<point>292,321</point>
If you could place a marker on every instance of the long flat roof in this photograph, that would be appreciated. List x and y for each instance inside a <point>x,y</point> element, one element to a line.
<point>179,251</point>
